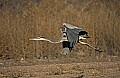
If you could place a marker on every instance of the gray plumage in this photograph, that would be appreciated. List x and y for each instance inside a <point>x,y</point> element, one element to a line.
<point>74,33</point>
<point>70,36</point>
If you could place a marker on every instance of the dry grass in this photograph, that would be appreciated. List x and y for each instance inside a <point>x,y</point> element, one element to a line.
<point>73,70</point>
<point>21,20</point>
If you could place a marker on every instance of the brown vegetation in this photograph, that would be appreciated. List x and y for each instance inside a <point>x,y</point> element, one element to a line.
<point>24,19</point>
<point>73,70</point>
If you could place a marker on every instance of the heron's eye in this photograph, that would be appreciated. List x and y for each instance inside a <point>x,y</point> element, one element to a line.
<point>63,28</point>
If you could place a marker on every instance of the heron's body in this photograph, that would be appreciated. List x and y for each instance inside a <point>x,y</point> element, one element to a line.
<point>70,36</point>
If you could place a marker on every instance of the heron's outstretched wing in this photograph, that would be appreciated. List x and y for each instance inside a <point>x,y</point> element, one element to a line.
<point>72,33</point>
<point>44,39</point>
<point>72,37</point>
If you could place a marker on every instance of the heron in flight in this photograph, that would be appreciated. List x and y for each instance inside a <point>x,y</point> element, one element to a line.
<point>70,36</point>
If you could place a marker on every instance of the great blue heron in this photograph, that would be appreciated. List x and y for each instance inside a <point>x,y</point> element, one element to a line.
<point>70,36</point>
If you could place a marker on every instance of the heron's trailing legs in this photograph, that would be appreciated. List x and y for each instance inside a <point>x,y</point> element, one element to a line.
<point>90,46</point>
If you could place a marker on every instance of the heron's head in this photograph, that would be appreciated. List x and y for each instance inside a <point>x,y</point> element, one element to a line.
<point>63,29</point>
<point>83,35</point>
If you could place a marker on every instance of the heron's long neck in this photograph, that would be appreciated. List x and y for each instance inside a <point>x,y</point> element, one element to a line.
<point>51,41</point>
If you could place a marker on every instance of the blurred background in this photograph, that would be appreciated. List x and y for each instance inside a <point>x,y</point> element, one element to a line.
<point>24,19</point>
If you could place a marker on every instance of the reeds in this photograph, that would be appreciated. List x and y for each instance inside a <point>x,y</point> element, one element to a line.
<point>27,19</point>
